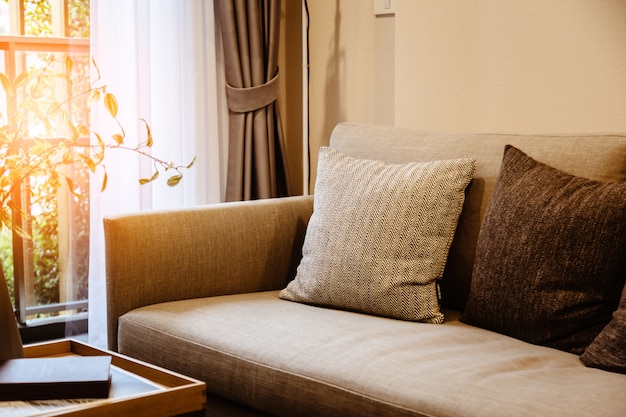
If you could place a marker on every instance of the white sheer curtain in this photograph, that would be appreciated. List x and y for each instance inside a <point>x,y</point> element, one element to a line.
<point>159,58</point>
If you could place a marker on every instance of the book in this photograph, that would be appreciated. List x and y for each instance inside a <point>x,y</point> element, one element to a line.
<point>63,377</point>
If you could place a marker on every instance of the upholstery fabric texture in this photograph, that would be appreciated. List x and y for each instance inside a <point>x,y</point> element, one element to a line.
<point>202,251</point>
<point>379,236</point>
<point>597,157</point>
<point>169,274</point>
<point>550,262</point>
<point>292,359</point>
<point>608,350</point>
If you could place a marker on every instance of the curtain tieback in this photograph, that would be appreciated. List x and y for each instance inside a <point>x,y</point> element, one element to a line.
<point>247,99</point>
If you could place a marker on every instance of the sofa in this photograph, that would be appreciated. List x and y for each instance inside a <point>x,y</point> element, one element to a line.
<point>328,305</point>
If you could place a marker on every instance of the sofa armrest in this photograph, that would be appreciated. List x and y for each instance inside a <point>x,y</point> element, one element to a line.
<point>228,248</point>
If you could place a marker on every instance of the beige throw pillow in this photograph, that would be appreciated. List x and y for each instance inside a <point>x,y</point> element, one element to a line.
<point>379,236</point>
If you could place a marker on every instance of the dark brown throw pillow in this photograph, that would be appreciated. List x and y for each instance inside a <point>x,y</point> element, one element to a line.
<point>608,350</point>
<point>550,262</point>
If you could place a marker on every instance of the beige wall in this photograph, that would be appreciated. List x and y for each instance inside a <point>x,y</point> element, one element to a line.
<point>518,66</point>
<point>342,79</point>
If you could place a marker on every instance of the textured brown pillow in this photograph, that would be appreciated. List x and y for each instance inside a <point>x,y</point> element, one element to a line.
<point>550,262</point>
<point>608,350</point>
<point>379,236</point>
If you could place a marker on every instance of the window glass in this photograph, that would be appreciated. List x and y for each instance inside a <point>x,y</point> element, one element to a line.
<point>50,280</point>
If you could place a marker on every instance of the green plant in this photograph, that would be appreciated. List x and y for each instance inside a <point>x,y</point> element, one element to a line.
<point>34,109</point>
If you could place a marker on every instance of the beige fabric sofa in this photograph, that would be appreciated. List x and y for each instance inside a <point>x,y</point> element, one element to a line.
<point>196,291</point>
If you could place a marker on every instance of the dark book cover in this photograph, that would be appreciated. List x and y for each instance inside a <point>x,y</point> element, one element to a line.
<point>63,377</point>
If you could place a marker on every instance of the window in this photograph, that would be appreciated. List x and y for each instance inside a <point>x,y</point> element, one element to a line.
<point>47,274</point>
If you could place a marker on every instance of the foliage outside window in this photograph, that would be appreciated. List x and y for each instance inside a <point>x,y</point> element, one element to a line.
<point>43,286</point>
<point>46,154</point>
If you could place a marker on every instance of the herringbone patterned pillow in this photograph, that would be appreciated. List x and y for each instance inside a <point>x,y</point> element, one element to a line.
<point>379,236</point>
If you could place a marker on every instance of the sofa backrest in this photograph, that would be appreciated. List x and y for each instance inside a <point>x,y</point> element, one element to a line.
<point>597,157</point>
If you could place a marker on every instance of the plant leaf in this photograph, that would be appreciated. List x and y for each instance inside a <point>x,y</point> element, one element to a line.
<point>110,102</point>
<point>91,164</point>
<point>70,185</point>
<point>69,64</point>
<point>105,179</point>
<point>144,181</point>
<point>67,157</point>
<point>21,232</point>
<point>93,62</point>
<point>40,147</point>
<point>149,141</point>
<point>6,84</point>
<point>62,116</point>
<point>193,161</point>
<point>54,107</point>
<point>98,152</point>
<point>94,96</point>
<point>118,138</point>
<point>100,141</point>
<point>11,204</point>
<point>5,218</point>
<point>73,130</point>
<point>174,180</point>
<point>21,79</point>
<point>82,129</point>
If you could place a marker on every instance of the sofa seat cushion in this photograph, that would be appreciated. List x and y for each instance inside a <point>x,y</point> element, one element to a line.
<point>608,350</point>
<point>281,357</point>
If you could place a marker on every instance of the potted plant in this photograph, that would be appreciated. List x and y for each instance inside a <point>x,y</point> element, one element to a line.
<point>32,104</point>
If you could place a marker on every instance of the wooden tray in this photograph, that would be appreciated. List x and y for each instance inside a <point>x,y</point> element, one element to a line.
<point>137,388</point>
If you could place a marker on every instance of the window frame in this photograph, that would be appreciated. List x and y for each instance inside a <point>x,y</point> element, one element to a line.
<point>12,45</point>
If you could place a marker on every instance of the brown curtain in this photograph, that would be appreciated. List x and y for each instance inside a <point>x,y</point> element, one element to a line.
<point>257,165</point>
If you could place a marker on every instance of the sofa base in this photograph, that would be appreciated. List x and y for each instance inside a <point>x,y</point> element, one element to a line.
<point>280,358</point>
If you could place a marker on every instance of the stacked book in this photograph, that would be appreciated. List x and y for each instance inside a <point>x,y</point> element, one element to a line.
<point>63,377</point>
